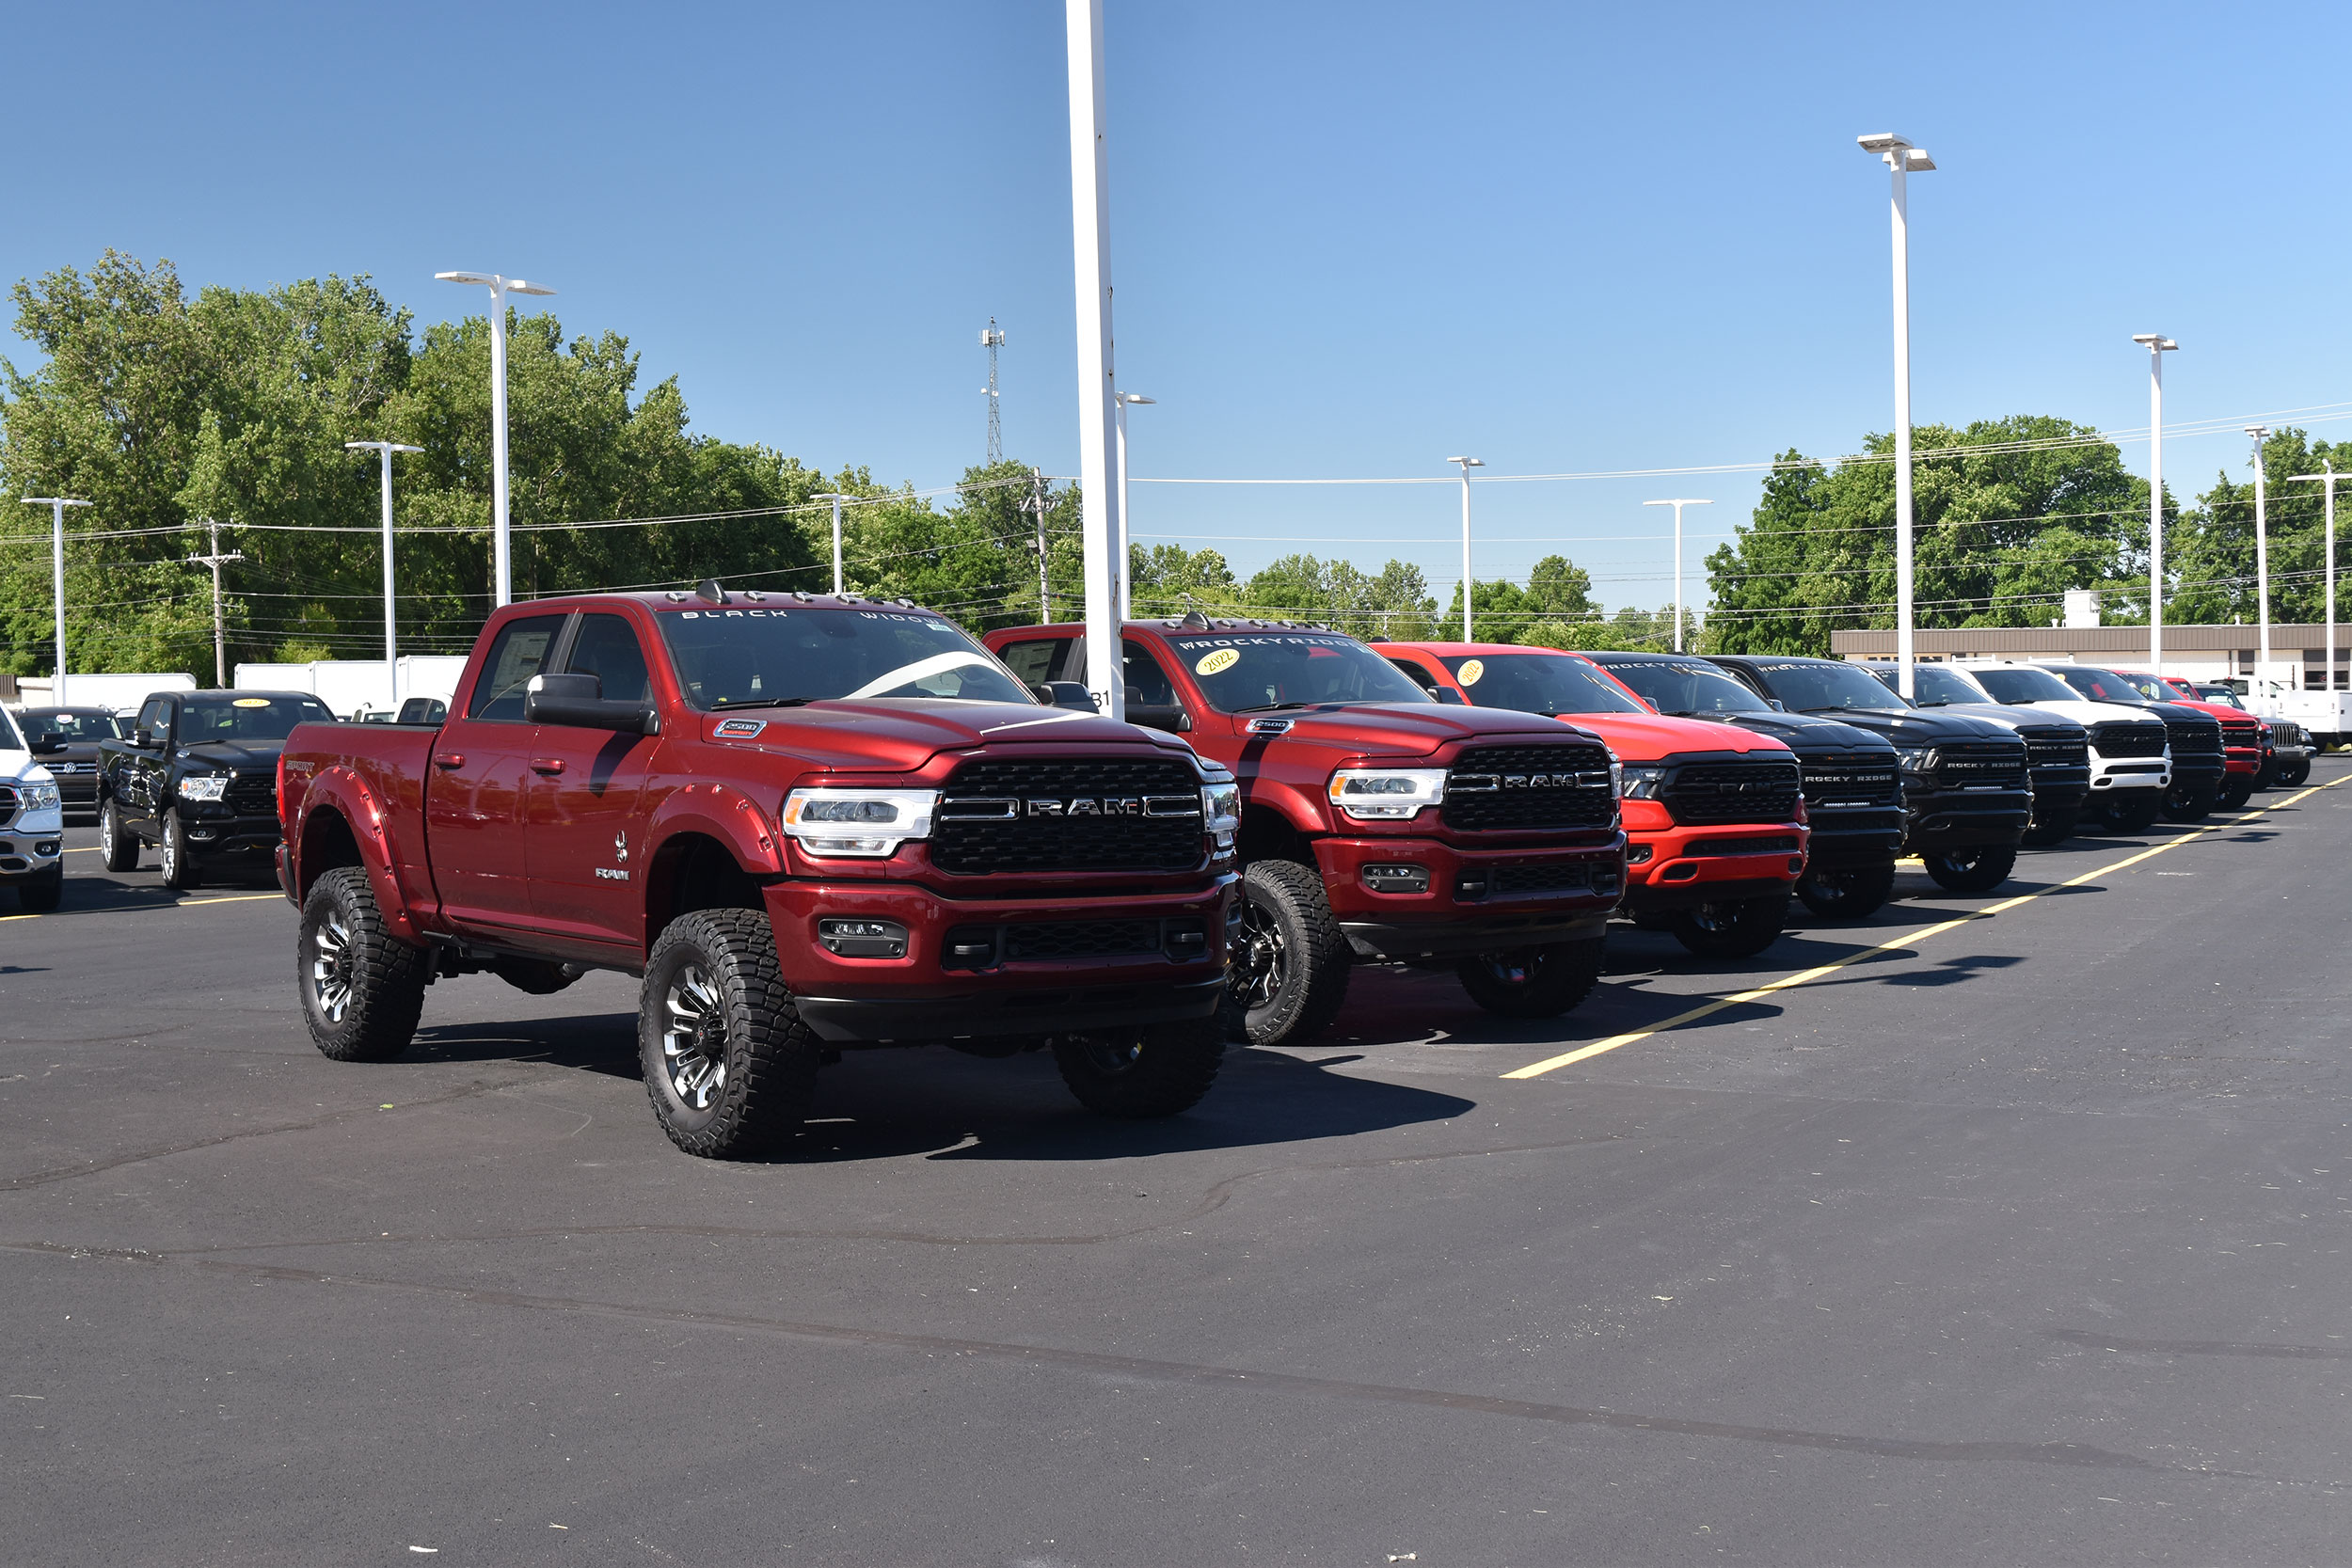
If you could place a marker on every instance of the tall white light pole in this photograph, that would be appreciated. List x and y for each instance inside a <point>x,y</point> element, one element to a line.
<point>391,623</point>
<point>2328,477</point>
<point>56,505</point>
<point>2262,557</point>
<point>1468,464</point>
<point>1678,505</point>
<point>502,557</point>
<point>1098,398</point>
<point>2158,346</point>
<point>1119,552</point>
<point>1902,158</point>
<point>836,501</point>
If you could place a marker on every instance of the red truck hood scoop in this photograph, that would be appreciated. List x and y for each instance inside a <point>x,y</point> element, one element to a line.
<point>902,735</point>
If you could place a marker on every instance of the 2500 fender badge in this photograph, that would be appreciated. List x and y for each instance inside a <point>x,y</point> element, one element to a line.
<point>738,729</point>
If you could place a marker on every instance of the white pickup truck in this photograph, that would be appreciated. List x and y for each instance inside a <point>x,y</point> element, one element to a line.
<point>2131,763</point>
<point>32,823</point>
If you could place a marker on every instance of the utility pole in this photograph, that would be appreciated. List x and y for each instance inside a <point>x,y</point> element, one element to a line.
<point>56,505</point>
<point>1902,158</point>
<point>502,555</point>
<point>391,623</point>
<point>216,561</point>
<point>1119,572</point>
<point>1037,504</point>
<point>2262,557</point>
<point>2328,477</point>
<point>2158,346</point>
<point>1468,464</point>
<point>1678,505</point>
<point>836,540</point>
<point>992,339</point>
<point>1101,529</point>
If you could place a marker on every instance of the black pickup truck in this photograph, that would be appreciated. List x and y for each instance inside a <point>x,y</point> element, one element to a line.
<point>198,777</point>
<point>72,761</point>
<point>2057,749</point>
<point>1967,797</point>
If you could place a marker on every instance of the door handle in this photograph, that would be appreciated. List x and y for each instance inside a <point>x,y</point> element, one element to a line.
<point>450,759</point>
<point>546,765</point>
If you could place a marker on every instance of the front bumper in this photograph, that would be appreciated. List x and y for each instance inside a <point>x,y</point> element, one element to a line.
<point>31,845</point>
<point>1964,819</point>
<point>1845,837</point>
<point>1677,867</point>
<point>1472,900</point>
<point>215,832</point>
<point>1126,959</point>
<point>2109,775</point>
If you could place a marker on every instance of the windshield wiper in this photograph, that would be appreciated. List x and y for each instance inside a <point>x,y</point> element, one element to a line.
<point>766,701</point>
<point>1268,707</point>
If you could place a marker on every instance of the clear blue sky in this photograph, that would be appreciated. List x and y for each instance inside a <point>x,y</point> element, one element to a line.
<point>1346,240</point>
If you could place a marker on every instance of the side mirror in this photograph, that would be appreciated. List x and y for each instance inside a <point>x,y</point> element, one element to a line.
<point>1778,707</point>
<point>1155,716</point>
<point>578,701</point>
<point>148,739</point>
<point>45,745</point>
<point>1447,694</point>
<point>1071,694</point>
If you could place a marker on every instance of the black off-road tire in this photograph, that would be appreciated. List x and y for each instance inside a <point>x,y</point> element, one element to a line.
<point>1532,982</point>
<point>2293,773</point>
<point>39,894</point>
<point>362,988</point>
<point>534,976</point>
<point>2236,789</point>
<point>2054,829</point>
<point>1154,1070</point>
<point>1732,927</point>
<point>117,846</point>
<point>729,1065</point>
<point>1980,868</point>
<point>2134,813</point>
<point>180,870</point>
<point>1290,972</point>
<point>1846,893</point>
<point>2191,802</point>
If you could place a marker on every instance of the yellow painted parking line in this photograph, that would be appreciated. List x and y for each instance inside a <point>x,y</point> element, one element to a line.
<point>1717,1005</point>
<point>175,904</point>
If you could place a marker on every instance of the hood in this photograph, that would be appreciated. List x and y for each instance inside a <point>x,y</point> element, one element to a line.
<point>2081,709</point>
<point>1401,729</point>
<point>1650,737</point>
<point>1802,732</point>
<point>2181,713</point>
<point>18,766</point>
<point>901,737</point>
<point>1922,726</point>
<point>2009,717</point>
<point>243,756</point>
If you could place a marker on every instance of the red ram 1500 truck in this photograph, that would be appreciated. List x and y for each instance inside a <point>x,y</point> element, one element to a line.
<point>808,822</point>
<point>1377,822</point>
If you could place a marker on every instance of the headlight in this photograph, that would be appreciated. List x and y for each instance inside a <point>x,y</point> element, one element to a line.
<point>862,822</point>
<point>203,786</point>
<point>1220,808</point>
<point>36,797</point>
<point>1386,794</point>
<point>1916,759</point>
<point>1616,776</point>
<point>1640,781</point>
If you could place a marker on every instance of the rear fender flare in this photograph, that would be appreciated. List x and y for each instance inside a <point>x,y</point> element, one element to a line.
<point>341,790</point>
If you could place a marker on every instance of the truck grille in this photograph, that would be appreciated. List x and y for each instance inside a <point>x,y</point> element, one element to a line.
<point>1856,778</point>
<point>1757,790</point>
<point>1519,882</point>
<point>1981,765</point>
<point>1762,844</point>
<point>252,795</point>
<point>1045,941</point>
<point>2196,739</point>
<point>2056,748</point>
<point>7,803</point>
<point>1070,813</point>
<point>1495,788</point>
<point>2241,734</point>
<point>2128,740</point>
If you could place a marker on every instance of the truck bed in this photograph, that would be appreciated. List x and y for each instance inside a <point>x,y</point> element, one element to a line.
<point>376,775</point>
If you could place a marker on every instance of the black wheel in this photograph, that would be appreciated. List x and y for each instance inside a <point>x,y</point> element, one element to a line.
<point>116,845</point>
<point>1732,927</point>
<point>41,894</point>
<point>1154,1070</point>
<point>362,988</point>
<point>2266,777</point>
<point>2236,789</point>
<point>1532,982</point>
<point>2134,811</point>
<point>2057,828</point>
<point>179,873</point>
<point>2293,773</point>
<point>534,976</point>
<point>729,1065</point>
<point>1978,869</point>
<point>1850,893</point>
<point>2189,803</point>
<point>1290,968</point>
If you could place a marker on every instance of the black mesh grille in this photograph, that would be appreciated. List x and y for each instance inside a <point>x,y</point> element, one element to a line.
<point>1475,805</point>
<point>7,803</point>
<point>2235,732</point>
<point>1849,776</point>
<point>1762,844</point>
<point>252,795</point>
<point>1981,764</point>
<point>2193,738</point>
<point>1755,789</point>
<point>1078,833</point>
<point>2054,748</point>
<point>1081,939</point>
<point>1518,881</point>
<point>2128,740</point>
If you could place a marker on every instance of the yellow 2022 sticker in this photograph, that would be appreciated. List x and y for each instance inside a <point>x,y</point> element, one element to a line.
<point>1469,671</point>
<point>251,701</point>
<point>1217,662</point>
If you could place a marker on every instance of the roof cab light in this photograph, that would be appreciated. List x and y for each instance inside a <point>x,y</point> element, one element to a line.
<point>867,823</point>
<point>1386,794</point>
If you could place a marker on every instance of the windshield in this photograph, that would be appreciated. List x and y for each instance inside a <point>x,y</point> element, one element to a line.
<point>2219,694</point>
<point>1549,684</point>
<point>1684,688</point>
<point>1932,686</point>
<point>2016,684</point>
<point>2148,687</point>
<point>10,739</point>
<point>228,717</point>
<point>775,656</point>
<point>1816,687</point>
<point>71,725</point>
<point>2100,685</point>
<point>1246,671</point>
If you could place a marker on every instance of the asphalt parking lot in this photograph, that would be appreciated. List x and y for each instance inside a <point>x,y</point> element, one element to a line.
<point>2006,1242</point>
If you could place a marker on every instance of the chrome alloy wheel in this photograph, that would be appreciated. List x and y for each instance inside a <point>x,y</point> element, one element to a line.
<point>330,968</point>
<point>1260,958</point>
<point>695,1038</point>
<point>170,849</point>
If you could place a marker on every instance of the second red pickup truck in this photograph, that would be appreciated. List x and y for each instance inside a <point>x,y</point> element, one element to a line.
<point>807,822</point>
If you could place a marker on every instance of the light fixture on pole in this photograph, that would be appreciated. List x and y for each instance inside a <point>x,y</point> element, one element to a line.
<point>1678,505</point>
<point>2328,477</point>
<point>501,559</point>
<point>2262,558</point>
<point>1098,380</point>
<point>1468,464</point>
<point>391,624</point>
<point>836,500</point>
<point>1120,562</point>
<point>56,505</point>
<point>215,560</point>
<point>2158,346</point>
<point>1903,159</point>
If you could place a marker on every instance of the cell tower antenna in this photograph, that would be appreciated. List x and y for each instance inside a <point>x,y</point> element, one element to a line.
<point>992,338</point>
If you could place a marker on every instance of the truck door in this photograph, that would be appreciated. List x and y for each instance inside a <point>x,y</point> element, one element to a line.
<point>475,790</point>
<point>587,790</point>
<point>139,776</point>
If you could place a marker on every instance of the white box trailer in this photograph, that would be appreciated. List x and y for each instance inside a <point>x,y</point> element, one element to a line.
<point>356,685</point>
<point>109,690</point>
<point>2327,714</point>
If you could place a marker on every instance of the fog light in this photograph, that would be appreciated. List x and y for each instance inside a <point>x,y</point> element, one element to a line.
<point>1681,873</point>
<point>1637,854</point>
<point>863,939</point>
<point>47,846</point>
<point>1397,879</point>
<point>1605,881</point>
<point>1796,866</point>
<point>1470,884</point>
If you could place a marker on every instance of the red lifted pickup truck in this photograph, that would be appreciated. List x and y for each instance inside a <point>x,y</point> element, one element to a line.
<point>807,822</point>
<point>1377,822</point>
